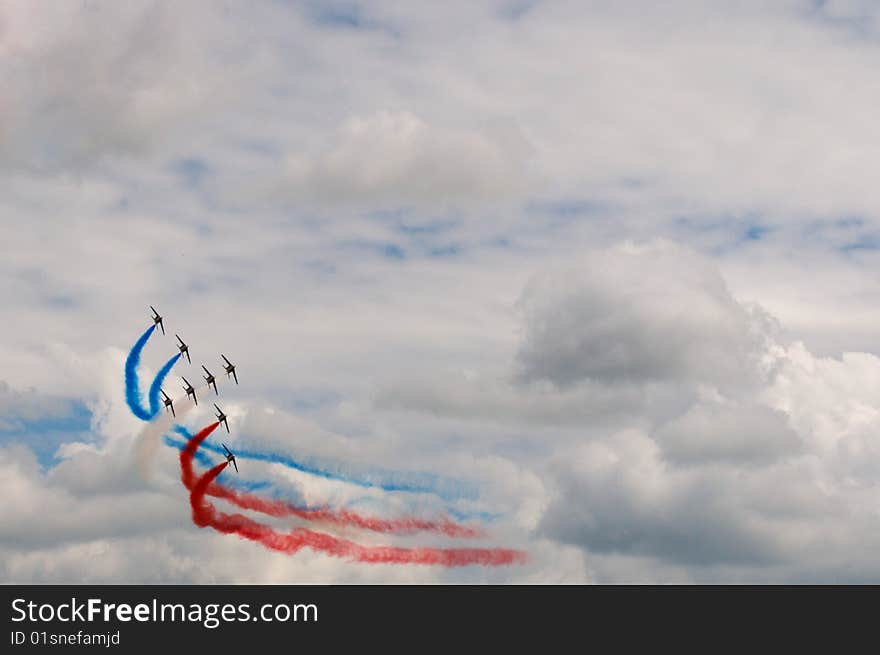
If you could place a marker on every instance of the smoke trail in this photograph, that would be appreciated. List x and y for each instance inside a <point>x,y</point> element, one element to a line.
<point>385,480</point>
<point>132,387</point>
<point>156,385</point>
<point>348,518</point>
<point>235,482</point>
<point>186,455</point>
<point>204,514</point>
<point>460,516</point>
<point>147,441</point>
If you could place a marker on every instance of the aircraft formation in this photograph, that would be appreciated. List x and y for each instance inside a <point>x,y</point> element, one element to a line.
<point>204,485</point>
<point>209,378</point>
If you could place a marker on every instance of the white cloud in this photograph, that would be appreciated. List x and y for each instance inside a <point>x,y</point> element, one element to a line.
<point>85,80</point>
<point>758,451</point>
<point>397,158</point>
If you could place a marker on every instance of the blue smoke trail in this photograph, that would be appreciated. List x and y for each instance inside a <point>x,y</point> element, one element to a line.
<point>234,482</point>
<point>257,485</point>
<point>485,517</point>
<point>156,386</point>
<point>200,455</point>
<point>132,388</point>
<point>458,514</point>
<point>385,480</point>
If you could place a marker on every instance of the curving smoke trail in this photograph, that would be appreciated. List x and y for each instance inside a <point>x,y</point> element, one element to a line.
<point>348,518</point>
<point>385,480</point>
<point>132,386</point>
<point>156,385</point>
<point>204,514</point>
<point>235,482</point>
<point>427,483</point>
<point>147,441</point>
<point>200,456</point>
<point>445,488</point>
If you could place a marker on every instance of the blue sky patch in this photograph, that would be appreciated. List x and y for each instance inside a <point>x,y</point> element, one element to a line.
<point>191,170</point>
<point>449,250</point>
<point>345,16</point>
<point>43,435</point>
<point>755,232</point>
<point>864,242</point>
<point>393,251</point>
<point>564,208</point>
<point>428,228</point>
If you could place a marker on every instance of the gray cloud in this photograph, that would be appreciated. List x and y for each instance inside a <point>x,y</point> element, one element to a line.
<point>728,432</point>
<point>636,314</point>
<point>740,468</point>
<point>84,81</point>
<point>617,496</point>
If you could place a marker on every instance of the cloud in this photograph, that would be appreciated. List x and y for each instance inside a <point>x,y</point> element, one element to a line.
<point>84,81</point>
<point>724,451</point>
<point>737,478</point>
<point>398,158</point>
<point>727,431</point>
<point>617,320</point>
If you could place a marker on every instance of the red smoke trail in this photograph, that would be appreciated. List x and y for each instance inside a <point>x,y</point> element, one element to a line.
<point>206,515</point>
<point>341,517</point>
<point>280,509</point>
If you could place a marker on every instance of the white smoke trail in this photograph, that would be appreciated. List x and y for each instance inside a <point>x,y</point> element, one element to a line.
<point>147,442</point>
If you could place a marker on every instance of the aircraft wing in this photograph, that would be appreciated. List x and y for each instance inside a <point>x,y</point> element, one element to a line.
<point>234,464</point>
<point>226,360</point>
<point>235,376</point>
<point>226,449</point>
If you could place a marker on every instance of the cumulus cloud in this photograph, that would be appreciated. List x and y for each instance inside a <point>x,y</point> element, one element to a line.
<point>758,452</point>
<point>732,479</point>
<point>636,314</point>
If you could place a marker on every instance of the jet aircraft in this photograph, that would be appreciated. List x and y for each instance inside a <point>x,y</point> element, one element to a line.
<point>230,457</point>
<point>190,390</point>
<point>209,378</point>
<point>229,367</point>
<point>221,417</point>
<point>183,348</point>
<point>169,404</point>
<point>157,320</point>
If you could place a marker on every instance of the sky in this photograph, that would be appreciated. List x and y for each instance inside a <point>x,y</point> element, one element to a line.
<point>611,264</point>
